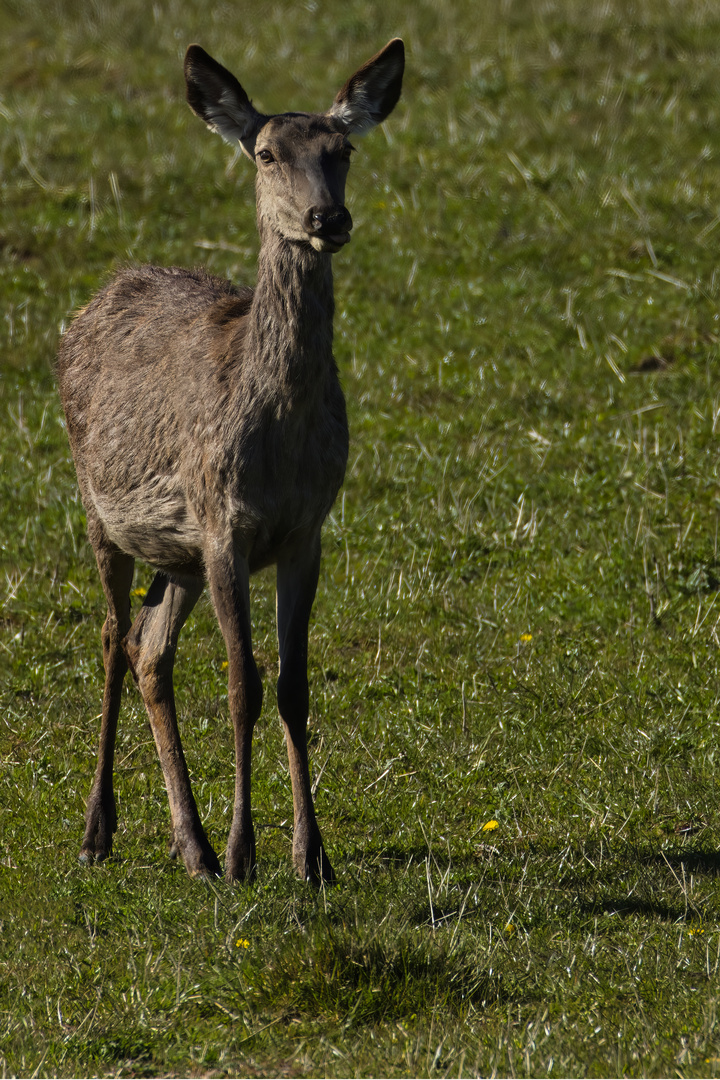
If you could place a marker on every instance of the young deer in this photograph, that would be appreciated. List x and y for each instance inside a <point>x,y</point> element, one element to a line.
<point>210,439</point>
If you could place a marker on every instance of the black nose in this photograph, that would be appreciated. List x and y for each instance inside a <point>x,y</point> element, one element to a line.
<point>331,221</point>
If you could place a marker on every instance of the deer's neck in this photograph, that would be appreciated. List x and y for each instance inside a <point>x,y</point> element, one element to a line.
<point>290,329</point>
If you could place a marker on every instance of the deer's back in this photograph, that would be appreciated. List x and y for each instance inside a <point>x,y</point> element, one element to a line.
<point>175,431</point>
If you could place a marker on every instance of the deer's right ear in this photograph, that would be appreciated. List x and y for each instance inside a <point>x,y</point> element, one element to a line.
<point>215,95</point>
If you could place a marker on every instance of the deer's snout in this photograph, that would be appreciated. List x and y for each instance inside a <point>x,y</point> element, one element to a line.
<point>328,228</point>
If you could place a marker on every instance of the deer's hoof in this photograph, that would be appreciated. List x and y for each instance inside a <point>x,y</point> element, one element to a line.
<point>204,864</point>
<point>241,867</point>
<point>88,857</point>
<point>205,874</point>
<point>96,845</point>
<point>240,861</point>
<point>315,868</point>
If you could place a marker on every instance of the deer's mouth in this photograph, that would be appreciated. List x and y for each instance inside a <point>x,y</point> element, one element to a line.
<point>331,243</point>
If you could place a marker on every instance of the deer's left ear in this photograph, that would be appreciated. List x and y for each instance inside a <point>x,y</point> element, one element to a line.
<point>372,92</point>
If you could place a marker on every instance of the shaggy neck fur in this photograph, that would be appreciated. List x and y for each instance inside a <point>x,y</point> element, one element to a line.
<point>290,325</point>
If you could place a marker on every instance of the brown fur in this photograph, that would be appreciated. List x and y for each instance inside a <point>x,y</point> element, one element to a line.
<point>209,435</point>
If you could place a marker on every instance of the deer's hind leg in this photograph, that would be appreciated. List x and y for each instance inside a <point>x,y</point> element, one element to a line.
<point>150,649</point>
<point>116,574</point>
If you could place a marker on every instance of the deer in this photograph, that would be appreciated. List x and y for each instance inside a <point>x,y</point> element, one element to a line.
<point>209,434</point>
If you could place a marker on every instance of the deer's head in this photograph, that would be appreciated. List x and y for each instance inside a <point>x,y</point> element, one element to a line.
<point>302,159</point>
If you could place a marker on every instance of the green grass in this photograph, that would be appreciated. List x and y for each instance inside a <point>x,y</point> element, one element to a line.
<point>518,614</point>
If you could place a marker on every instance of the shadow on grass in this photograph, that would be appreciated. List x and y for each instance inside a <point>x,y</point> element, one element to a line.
<point>691,861</point>
<point>402,857</point>
<point>339,972</point>
<point>583,880</point>
<point>627,906</point>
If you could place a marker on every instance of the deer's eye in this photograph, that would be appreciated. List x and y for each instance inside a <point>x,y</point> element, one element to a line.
<point>347,152</point>
<point>266,157</point>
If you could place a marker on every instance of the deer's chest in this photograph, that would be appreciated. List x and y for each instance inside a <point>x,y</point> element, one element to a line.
<point>287,477</point>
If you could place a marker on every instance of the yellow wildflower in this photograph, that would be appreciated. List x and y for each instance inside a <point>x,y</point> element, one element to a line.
<point>490,825</point>
<point>242,943</point>
<point>526,637</point>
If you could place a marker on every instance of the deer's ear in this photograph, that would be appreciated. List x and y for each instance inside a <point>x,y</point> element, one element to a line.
<point>215,95</point>
<point>373,91</point>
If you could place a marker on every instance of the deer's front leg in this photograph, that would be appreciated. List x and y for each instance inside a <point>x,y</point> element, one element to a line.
<point>297,577</point>
<point>229,576</point>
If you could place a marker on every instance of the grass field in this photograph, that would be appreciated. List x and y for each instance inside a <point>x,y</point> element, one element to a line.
<point>518,615</point>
